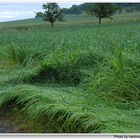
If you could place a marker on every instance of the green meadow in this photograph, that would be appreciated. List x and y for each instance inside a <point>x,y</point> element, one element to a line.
<point>78,77</point>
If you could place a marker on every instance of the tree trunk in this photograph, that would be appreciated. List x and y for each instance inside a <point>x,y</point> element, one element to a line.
<point>100,20</point>
<point>52,24</point>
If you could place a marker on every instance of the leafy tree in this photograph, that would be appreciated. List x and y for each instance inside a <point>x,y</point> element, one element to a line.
<point>102,10</point>
<point>77,9</point>
<point>65,10</point>
<point>52,13</point>
<point>74,10</point>
<point>39,14</point>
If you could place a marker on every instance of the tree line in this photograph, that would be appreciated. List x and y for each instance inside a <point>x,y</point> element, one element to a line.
<point>52,11</point>
<point>82,8</point>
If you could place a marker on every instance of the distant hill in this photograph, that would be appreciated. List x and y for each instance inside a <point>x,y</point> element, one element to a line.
<point>79,9</point>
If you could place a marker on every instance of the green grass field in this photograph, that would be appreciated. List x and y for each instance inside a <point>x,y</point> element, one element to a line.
<point>79,77</point>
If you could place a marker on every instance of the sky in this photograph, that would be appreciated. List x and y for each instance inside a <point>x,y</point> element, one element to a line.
<point>16,11</point>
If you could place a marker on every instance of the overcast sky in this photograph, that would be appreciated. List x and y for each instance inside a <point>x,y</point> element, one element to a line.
<point>16,11</point>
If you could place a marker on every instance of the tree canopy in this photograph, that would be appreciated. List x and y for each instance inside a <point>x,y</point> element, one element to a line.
<point>39,14</point>
<point>102,10</point>
<point>52,13</point>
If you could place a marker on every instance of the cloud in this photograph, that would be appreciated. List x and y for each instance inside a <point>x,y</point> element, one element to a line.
<point>15,13</point>
<point>6,16</point>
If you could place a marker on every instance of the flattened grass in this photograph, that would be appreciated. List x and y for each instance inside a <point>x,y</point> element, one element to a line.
<point>84,80</point>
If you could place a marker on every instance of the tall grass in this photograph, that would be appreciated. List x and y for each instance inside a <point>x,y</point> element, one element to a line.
<point>84,80</point>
